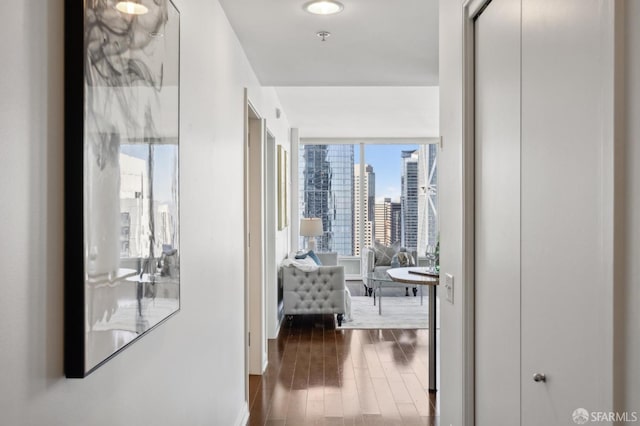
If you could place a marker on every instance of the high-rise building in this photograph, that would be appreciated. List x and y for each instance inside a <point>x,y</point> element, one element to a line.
<point>387,222</point>
<point>368,182</point>
<point>396,222</point>
<point>409,199</point>
<point>326,191</point>
<point>382,222</point>
<point>427,196</point>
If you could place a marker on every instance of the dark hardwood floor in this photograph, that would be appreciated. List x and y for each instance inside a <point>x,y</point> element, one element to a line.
<point>318,375</point>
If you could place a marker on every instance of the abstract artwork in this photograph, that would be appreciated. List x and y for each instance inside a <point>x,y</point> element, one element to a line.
<point>122,227</point>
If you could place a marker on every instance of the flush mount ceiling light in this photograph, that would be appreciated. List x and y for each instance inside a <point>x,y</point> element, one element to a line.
<point>323,7</point>
<point>131,7</point>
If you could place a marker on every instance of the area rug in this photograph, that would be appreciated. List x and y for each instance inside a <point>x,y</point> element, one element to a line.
<point>397,312</point>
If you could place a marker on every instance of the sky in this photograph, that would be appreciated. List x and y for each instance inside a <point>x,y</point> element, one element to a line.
<point>164,166</point>
<point>387,165</point>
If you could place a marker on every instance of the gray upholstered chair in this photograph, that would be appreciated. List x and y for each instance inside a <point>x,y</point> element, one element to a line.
<point>318,292</point>
<point>369,266</point>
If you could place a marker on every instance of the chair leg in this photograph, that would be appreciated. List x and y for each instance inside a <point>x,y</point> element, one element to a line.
<point>339,317</point>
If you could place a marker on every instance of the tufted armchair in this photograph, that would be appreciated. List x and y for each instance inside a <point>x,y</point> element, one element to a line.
<point>318,292</point>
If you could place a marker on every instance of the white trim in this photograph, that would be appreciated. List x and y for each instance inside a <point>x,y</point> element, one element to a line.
<point>620,203</point>
<point>610,15</point>
<point>470,10</point>
<point>243,416</point>
<point>251,113</point>
<point>245,175</point>
<point>474,7</point>
<point>277,333</point>
<point>270,246</point>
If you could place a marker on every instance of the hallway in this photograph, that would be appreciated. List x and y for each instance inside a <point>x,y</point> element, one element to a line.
<point>319,375</point>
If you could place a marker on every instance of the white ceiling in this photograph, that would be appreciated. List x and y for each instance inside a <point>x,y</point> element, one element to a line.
<point>373,42</point>
<point>371,78</point>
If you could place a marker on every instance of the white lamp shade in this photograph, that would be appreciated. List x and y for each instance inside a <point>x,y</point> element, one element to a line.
<point>311,227</point>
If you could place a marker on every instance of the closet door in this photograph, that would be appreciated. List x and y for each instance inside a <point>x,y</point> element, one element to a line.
<point>541,211</point>
<point>497,214</point>
<point>563,228</point>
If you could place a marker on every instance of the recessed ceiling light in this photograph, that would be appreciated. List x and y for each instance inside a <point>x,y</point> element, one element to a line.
<point>323,7</point>
<point>131,8</point>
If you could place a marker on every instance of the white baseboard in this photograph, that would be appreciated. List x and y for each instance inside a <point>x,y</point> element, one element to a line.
<point>265,363</point>
<point>243,416</point>
<point>278,327</point>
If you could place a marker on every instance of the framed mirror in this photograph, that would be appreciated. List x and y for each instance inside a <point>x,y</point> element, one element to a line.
<point>122,222</point>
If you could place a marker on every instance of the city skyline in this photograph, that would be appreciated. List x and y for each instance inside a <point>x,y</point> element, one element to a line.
<point>387,164</point>
<point>399,202</point>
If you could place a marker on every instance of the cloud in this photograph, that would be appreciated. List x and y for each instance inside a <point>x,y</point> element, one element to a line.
<point>392,192</point>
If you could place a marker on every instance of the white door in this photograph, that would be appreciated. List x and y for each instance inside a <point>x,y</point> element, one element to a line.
<point>497,214</point>
<point>541,212</point>
<point>564,301</point>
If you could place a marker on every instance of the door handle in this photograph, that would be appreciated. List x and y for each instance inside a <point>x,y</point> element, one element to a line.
<point>539,377</point>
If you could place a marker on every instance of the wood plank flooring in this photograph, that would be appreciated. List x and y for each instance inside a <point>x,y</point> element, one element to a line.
<point>318,375</point>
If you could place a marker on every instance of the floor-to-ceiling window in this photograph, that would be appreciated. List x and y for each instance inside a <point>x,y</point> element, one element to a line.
<point>369,191</point>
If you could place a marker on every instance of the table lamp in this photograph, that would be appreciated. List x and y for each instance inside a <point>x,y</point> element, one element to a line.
<point>311,228</point>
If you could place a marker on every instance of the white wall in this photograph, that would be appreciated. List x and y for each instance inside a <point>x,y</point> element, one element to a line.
<point>280,129</point>
<point>627,326</point>
<point>344,112</point>
<point>283,239</point>
<point>191,369</point>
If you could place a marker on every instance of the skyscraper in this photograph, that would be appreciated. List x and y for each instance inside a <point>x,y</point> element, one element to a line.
<point>382,222</point>
<point>387,222</point>
<point>368,182</point>
<point>326,191</point>
<point>428,196</point>
<point>396,222</point>
<point>409,199</point>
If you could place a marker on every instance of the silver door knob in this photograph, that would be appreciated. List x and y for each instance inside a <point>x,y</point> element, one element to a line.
<point>539,377</point>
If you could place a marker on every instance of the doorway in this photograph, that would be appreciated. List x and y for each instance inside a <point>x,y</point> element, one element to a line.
<point>255,313</point>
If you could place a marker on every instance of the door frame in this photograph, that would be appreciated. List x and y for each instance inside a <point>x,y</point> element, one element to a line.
<point>470,10</point>
<point>251,113</point>
<point>612,16</point>
<point>270,233</point>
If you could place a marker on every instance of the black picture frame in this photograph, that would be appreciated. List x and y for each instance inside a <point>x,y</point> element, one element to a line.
<point>122,138</point>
